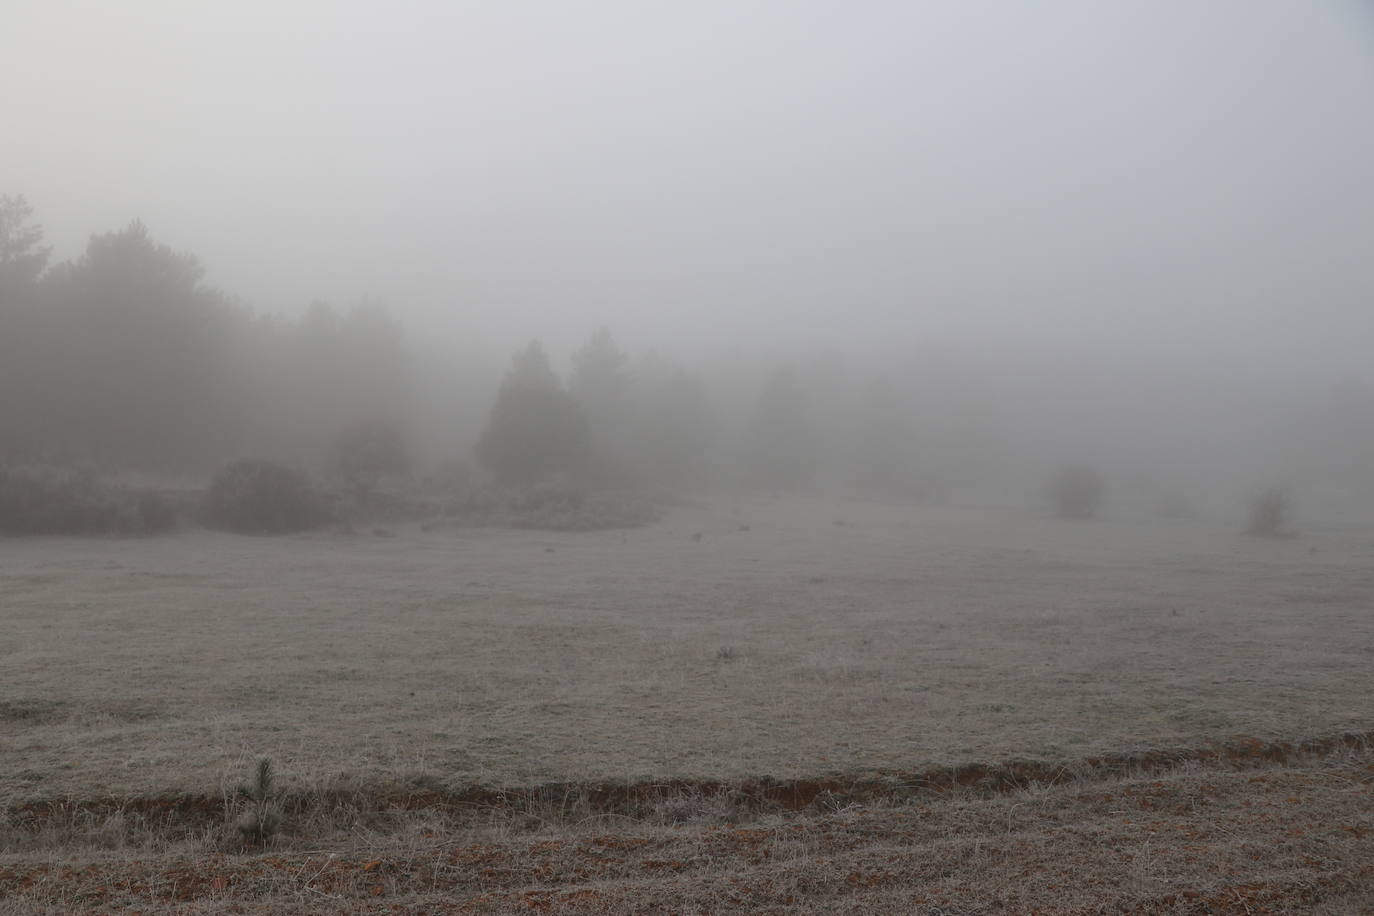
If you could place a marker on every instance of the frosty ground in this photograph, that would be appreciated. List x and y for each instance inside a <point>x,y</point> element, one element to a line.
<point>736,640</point>
<point>791,637</point>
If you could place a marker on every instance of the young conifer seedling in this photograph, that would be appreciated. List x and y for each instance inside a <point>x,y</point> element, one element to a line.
<point>259,823</point>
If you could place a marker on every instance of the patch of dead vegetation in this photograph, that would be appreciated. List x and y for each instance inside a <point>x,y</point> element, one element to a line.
<point>27,711</point>
<point>1202,837</point>
<point>671,801</point>
<point>32,712</point>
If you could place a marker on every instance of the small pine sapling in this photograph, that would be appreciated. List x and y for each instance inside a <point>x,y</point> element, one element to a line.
<point>260,822</point>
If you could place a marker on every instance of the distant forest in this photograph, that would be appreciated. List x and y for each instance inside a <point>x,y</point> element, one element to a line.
<point>124,360</point>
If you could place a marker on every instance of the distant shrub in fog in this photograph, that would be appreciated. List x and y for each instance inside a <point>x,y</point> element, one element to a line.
<point>254,496</point>
<point>883,436</point>
<point>367,451</point>
<point>1271,513</point>
<point>1077,492</point>
<point>65,502</point>
<point>782,441</point>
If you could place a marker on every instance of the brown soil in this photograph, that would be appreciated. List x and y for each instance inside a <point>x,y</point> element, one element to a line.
<point>1243,827</point>
<point>762,794</point>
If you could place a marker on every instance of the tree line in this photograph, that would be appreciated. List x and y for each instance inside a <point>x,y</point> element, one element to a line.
<point>123,358</point>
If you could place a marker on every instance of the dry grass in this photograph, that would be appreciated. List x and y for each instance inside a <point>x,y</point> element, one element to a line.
<point>1257,839</point>
<point>901,640</point>
<point>724,654</point>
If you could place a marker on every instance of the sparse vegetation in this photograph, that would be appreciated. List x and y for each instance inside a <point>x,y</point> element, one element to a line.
<point>555,505</point>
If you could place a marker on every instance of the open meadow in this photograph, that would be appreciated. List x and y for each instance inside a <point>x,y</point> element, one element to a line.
<point>751,643</point>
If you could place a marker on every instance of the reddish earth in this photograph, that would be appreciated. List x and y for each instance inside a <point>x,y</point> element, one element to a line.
<point>1245,827</point>
<point>763,794</point>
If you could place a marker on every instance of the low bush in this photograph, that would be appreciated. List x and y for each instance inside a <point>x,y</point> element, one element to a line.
<point>1077,492</point>
<point>255,496</point>
<point>1271,513</point>
<point>52,501</point>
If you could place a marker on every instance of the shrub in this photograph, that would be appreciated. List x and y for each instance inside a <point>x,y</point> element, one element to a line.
<point>1271,513</point>
<point>254,496</point>
<point>1077,492</point>
<point>48,501</point>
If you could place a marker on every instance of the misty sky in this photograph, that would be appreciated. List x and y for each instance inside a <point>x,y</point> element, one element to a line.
<point>1168,179</point>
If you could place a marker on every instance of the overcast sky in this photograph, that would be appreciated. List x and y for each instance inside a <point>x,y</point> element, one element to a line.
<point>1171,177</point>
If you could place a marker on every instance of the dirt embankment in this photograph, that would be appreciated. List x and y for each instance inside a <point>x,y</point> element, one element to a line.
<point>641,799</point>
<point>1241,827</point>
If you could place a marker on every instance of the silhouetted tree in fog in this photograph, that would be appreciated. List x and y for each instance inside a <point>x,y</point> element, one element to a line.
<point>600,375</point>
<point>1271,512</point>
<point>536,429</point>
<point>23,256</point>
<point>25,341</point>
<point>884,439</point>
<point>146,373</point>
<point>676,430</point>
<point>338,371</point>
<point>781,449</point>
<point>125,358</point>
<point>600,383</point>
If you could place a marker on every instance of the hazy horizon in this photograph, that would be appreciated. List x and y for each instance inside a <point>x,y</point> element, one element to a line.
<point>1180,184</point>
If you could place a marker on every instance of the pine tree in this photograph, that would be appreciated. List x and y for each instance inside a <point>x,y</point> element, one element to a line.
<point>536,429</point>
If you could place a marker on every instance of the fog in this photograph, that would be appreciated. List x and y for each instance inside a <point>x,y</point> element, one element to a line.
<point>913,252</point>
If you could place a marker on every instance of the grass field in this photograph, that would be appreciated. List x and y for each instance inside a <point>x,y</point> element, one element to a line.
<point>735,642</point>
